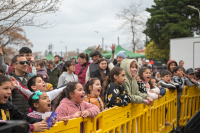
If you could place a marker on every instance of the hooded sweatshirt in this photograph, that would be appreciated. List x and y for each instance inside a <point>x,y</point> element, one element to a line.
<point>69,108</point>
<point>41,72</point>
<point>169,62</point>
<point>65,78</point>
<point>131,84</point>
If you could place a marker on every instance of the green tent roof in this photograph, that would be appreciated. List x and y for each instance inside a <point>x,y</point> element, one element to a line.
<point>129,54</point>
<point>49,57</point>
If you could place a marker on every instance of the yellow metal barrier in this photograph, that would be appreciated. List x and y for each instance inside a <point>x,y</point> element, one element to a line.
<point>189,103</point>
<point>137,118</point>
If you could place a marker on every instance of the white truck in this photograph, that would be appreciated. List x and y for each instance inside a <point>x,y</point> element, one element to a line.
<point>186,49</point>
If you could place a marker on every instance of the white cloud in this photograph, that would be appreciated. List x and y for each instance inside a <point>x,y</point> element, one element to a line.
<point>76,22</point>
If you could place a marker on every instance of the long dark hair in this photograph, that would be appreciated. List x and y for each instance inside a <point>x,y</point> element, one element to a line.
<point>115,71</point>
<point>141,71</point>
<point>32,101</point>
<point>67,64</point>
<point>83,55</point>
<point>71,86</point>
<point>103,75</point>
<point>90,82</point>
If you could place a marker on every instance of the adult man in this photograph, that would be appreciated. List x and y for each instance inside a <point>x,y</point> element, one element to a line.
<point>27,52</point>
<point>20,73</point>
<point>57,62</point>
<point>96,55</point>
<point>143,64</point>
<point>53,72</point>
<point>120,56</point>
<point>147,64</point>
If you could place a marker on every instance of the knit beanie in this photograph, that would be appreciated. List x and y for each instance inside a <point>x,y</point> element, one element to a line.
<point>122,54</point>
<point>48,86</point>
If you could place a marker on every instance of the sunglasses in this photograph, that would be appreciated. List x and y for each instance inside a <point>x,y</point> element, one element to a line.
<point>22,62</point>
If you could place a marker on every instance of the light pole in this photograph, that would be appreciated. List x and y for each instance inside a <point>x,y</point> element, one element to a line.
<point>102,41</point>
<point>195,9</point>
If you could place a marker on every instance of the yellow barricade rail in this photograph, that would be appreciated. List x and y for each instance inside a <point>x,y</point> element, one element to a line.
<point>137,118</point>
<point>190,100</point>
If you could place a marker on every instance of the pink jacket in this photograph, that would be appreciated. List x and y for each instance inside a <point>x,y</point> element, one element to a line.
<point>69,108</point>
<point>78,69</point>
<point>156,92</point>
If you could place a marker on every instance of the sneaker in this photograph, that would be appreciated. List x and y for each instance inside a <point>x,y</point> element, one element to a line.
<point>167,123</point>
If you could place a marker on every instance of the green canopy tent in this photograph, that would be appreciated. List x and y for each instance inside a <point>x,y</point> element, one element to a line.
<point>49,57</point>
<point>129,54</point>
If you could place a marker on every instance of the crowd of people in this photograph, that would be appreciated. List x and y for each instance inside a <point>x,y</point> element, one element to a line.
<point>85,88</point>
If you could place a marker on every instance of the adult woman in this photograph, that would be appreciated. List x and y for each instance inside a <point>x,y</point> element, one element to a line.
<point>81,67</point>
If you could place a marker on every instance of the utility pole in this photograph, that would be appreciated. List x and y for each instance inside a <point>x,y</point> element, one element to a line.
<point>106,47</point>
<point>61,53</point>
<point>102,45</point>
<point>77,51</point>
<point>118,41</point>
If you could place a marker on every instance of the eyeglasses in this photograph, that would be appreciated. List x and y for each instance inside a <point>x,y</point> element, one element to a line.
<point>22,62</point>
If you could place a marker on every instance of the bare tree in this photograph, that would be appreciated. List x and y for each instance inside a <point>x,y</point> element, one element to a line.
<point>133,22</point>
<point>17,13</point>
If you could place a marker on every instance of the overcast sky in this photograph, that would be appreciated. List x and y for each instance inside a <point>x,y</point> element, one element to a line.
<point>76,22</point>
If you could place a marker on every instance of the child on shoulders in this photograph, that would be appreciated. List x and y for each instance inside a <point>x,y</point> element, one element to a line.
<point>41,70</point>
<point>114,93</point>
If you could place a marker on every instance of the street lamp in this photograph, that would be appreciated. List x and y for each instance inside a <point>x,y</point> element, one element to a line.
<point>192,7</point>
<point>102,41</point>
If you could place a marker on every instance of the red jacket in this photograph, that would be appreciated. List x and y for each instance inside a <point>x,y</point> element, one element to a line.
<point>11,68</point>
<point>78,68</point>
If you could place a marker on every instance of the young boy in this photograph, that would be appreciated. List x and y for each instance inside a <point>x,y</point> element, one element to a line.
<point>179,77</point>
<point>166,81</point>
<point>41,70</point>
<point>34,84</point>
<point>11,112</point>
<point>190,77</point>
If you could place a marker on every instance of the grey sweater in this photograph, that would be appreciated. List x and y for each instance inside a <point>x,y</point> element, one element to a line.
<point>66,78</point>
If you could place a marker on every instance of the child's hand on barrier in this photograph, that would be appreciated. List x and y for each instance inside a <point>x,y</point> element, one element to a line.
<point>77,114</point>
<point>85,114</point>
<point>65,119</point>
<point>150,100</point>
<point>146,102</point>
<point>159,96</point>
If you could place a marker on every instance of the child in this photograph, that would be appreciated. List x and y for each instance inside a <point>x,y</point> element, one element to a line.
<point>41,70</point>
<point>11,112</point>
<point>190,78</point>
<point>197,78</point>
<point>179,78</point>
<point>131,67</point>
<point>161,93</point>
<point>93,90</point>
<point>34,84</point>
<point>166,81</point>
<point>114,93</point>
<point>40,103</point>
<point>102,71</point>
<point>143,84</point>
<point>67,74</point>
<point>70,103</point>
<point>170,65</point>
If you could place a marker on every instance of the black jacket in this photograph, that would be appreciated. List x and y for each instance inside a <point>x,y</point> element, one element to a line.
<point>96,74</point>
<point>116,95</point>
<point>171,86</point>
<point>17,98</point>
<point>13,113</point>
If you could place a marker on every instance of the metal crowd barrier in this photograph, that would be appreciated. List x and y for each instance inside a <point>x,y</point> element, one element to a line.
<point>137,118</point>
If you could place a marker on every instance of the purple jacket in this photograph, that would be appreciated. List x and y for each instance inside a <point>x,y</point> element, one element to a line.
<point>60,66</point>
<point>41,72</point>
